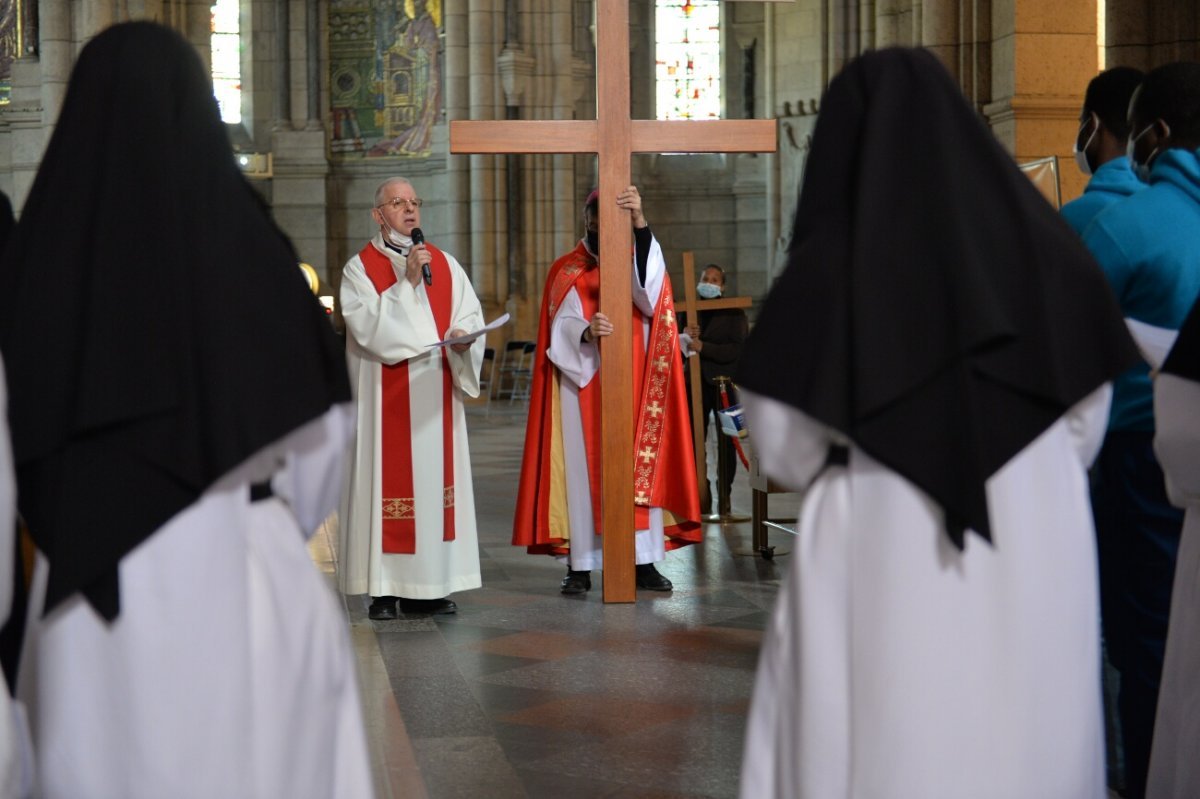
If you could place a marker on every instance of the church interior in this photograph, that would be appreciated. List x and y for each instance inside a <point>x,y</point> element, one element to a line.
<point>525,692</point>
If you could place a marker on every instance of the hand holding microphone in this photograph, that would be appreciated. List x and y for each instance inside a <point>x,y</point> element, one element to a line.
<point>418,240</point>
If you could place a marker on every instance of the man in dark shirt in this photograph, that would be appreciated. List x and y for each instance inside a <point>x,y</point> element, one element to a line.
<point>717,341</point>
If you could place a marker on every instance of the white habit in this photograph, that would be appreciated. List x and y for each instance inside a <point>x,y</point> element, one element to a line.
<point>395,326</point>
<point>15,757</point>
<point>229,671</point>
<point>897,666</point>
<point>576,364</point>
<point>1174,766</point>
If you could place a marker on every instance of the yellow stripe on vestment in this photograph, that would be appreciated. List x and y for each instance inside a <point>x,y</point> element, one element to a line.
<point>559,517</point>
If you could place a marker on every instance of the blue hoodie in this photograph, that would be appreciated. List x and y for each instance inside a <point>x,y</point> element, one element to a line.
<point>1149,247</point>
<point>1113,181</point>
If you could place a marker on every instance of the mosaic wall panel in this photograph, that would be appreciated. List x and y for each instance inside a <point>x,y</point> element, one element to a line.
<point>385,65</point>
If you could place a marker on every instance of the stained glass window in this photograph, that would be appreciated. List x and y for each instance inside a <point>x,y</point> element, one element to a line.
<point>227,59</point>
<point>687,56</point>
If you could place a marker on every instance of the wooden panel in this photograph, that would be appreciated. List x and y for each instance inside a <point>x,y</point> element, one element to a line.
<point>522,136</point>
<point>616,242</point>
<point>715,136</point>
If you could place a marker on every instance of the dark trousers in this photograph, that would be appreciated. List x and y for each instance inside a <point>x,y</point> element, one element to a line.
<point>1137,534</point>
<point>710,399</point>
<point>710,403</point>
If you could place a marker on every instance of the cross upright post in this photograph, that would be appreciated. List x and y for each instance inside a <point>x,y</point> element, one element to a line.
<point>614,137</point>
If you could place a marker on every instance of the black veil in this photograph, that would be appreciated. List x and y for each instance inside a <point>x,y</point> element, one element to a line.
<point>934,308</point>
<point>159,331</point>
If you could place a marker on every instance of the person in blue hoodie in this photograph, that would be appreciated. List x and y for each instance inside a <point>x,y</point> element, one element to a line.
<point>1149,248</point>
<point>1100,145</point>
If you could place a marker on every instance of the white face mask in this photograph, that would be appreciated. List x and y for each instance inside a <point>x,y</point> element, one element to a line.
<point>396,238</point>
<point>1142,171</point>
<point>1081,160</point>
<point>708,291</point>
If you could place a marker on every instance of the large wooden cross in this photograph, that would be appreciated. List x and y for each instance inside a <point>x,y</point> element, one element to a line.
<point>614,137</point>
<point>692,307</point>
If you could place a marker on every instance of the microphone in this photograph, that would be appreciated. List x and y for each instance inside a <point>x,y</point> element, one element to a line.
<point>419,238</point>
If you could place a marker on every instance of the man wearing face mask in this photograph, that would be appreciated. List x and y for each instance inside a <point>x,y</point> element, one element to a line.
<point>407,517</point>
<point>717,341</point>
<point>558,501</point>
<point>1149,248</point>
<point>1100,145</point>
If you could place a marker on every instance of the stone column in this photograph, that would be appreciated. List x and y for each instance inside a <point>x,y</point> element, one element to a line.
<point>27,130</point>
<point>283,98</point>
<point>312,67</point>
<point>515,68</point>
<point>940,32</point>
<point>456,82</point>
<point>56,54</point>
<point>894,23</point>
<point>1043,55</point>
<point>300,192</point>
<point>486,27</point>
<point>1147,35</point>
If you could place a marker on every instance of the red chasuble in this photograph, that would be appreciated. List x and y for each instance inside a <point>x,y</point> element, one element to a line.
<point>396,482</point>
<point>664,465</point>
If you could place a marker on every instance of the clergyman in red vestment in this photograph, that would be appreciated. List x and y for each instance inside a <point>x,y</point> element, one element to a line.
<point>558,504</point>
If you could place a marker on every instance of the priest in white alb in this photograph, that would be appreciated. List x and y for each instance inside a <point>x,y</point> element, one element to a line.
<point>407,521</point>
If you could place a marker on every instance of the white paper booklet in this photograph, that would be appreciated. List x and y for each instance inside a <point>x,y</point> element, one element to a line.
<point>1153,342</point>
<point>467,338</point>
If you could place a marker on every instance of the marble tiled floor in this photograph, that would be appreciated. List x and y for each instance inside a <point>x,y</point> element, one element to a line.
<point>527,693</point>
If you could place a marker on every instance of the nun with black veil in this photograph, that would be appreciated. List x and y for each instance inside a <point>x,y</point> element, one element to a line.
<point>15,758</point>
<point>1174,770</point>
<point>180,411</point>
<point>932,369</point>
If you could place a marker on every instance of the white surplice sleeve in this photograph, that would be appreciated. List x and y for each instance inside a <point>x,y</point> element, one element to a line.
<point>1087,422</point>
<point>389,327</point>
<point>577,361</point>
<point>791,446</point>
<point>645,297</point>
<point>1177,437</point>
<point>468,317</point>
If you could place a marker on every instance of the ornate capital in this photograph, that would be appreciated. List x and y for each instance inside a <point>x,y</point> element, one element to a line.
<point>515,67</point>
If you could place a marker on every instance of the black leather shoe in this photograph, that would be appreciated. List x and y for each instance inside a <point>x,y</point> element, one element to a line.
<point>428,606</point>
<point>649,578</point>
<point>577,582</point>
<point>383,608</point>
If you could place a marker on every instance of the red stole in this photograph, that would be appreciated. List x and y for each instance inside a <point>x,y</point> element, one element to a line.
<point>395,438</point>
<point>664,467</point>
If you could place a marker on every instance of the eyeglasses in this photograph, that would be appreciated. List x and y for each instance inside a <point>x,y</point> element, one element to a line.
<point>397,203</point>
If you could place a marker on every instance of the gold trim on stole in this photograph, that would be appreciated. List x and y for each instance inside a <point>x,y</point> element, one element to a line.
<point>660,359</point>
<point>398,507</point>
<point>558,513</point>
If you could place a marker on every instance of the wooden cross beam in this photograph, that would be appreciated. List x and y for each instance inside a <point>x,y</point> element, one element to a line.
<point>692,307</point>
<point>614,137</point>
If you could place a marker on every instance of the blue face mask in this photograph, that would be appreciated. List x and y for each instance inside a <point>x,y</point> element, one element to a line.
<point>708,291</point>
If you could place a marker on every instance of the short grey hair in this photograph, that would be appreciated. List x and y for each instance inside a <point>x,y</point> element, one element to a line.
<point>381,192</point>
